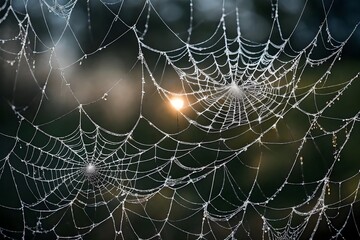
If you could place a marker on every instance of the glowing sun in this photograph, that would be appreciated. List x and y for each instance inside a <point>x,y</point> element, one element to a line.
<point>177,103</point>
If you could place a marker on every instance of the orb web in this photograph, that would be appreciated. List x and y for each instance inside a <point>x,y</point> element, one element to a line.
<point>179,119</point>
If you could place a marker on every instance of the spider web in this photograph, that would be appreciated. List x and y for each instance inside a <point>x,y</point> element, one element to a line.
<point>260,142</point>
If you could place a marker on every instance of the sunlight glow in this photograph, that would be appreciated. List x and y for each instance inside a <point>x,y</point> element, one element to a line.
<point>177,103</point>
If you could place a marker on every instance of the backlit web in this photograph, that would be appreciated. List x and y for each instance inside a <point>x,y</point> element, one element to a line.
<point>187,119</point>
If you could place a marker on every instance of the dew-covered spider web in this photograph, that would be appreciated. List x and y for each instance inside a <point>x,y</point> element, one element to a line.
<point>191,119</point>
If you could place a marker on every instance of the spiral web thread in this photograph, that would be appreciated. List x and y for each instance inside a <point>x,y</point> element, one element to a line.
<point>261,148</point>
